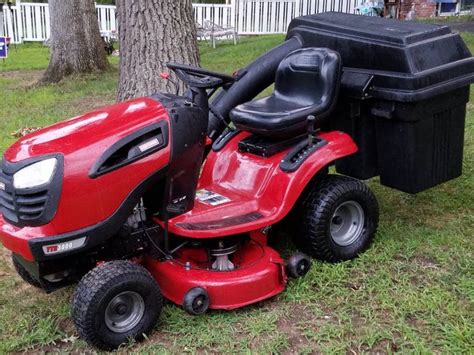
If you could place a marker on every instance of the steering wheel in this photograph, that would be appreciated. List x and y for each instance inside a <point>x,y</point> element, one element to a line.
<point>200,78</point>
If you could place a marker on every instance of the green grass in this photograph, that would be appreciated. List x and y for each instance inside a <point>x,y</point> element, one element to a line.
<point>30,56</point>
<point>413,291</point>
<point>447,19</point>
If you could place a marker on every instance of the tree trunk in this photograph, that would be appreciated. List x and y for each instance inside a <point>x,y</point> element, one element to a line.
<point>151,34</point>
<point>75,42</point>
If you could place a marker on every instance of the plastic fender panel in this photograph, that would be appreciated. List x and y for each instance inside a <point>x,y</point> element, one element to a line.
<point>239,192</point>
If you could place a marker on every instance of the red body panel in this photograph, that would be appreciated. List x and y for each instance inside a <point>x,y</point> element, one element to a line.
<point>82,140</point>
<point>256,186</point>
<point>261,274</point>
<point>256,191</point>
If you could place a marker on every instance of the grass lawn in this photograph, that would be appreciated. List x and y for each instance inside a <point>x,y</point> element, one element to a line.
<point>413,291</point>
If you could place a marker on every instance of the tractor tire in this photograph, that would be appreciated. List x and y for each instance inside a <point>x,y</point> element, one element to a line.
<point>114,303</point>
<point>24,274</point>
<point>339,218</point>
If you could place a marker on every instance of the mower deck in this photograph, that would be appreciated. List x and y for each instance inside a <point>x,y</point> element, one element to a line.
<point>259,274</point>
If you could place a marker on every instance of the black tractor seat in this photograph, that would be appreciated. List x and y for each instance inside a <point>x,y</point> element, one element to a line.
<point>306,83</point>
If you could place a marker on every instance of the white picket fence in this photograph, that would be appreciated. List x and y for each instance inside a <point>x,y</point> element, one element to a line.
<point>30,21</point>
<point>221,15</point>
<point>274,16</point>
<point>26,22</point>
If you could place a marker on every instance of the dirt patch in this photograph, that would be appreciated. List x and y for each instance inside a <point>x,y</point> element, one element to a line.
<point>426,262</point>
<point>288,325</point>
<point>62,346</point>
<point>22,79</point>
<point>5,259</point>
<point>383,347</point>
<point>159,336</point>
<point>297,318</point>
<point>415,322</point>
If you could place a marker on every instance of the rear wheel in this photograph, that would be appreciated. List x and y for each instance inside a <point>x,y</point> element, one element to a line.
<point>116,302</point>
<point>339,219</point>
<point>24,274</point>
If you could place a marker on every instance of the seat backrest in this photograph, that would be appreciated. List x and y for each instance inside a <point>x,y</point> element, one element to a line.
<point>309,76</point>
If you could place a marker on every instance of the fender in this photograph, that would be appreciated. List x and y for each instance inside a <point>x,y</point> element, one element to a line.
<point>258,191</point>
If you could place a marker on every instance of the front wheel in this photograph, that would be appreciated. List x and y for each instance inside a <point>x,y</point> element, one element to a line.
<point>339,219</point>
<point>115,302</point>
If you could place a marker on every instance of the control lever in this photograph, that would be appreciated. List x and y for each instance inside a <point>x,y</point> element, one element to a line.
<point>310,129</point>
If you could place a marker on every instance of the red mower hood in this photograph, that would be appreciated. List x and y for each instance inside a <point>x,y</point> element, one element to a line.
<point>97,130</point>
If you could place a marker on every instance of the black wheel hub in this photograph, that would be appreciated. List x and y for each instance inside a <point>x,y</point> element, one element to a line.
<point>121,309</point>
<point>303,267</point>
<point>198,304</point>
<point>196,301</point>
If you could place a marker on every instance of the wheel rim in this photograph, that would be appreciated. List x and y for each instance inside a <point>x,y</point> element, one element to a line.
<point>200,304</point>
<point>347,223</point>
<point>302,267</point>
<point>124,311</point>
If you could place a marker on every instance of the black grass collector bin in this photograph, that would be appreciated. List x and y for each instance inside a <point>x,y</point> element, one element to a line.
<point>404,90</point>
<point>421,145</point>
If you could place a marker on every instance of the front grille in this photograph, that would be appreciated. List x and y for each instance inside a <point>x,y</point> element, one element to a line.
<point>31,207</point>
<point>7,205</point>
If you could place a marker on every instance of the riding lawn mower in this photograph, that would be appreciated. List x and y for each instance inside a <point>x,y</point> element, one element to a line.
<point>175,197</point>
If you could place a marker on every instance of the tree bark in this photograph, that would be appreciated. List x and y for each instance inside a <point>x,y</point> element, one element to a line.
<point>75,42</point>
<point>151,34</point>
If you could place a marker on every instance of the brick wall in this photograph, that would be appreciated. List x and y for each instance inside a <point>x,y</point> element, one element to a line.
<point>423,8</point>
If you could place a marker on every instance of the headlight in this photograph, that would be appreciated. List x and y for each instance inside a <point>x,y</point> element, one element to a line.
<point>36,174</point>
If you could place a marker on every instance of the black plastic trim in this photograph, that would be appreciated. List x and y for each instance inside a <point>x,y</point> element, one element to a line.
<point>51,191</point>
<point>188,124</point>
<point>96,168</point>
<point>222,223</point>
<point>424,93</point>
<point>224,138</point>
<point>98,233</point>
<point>296,157</point>
<point>265,146</point>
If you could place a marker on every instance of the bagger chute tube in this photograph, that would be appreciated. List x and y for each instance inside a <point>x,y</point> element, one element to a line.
<point>176,196</point>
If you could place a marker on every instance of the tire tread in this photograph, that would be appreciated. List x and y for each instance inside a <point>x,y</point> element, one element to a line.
<point>316,208</point>
<point>94,286</point>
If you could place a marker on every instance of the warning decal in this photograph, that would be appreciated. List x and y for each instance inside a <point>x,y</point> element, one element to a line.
<point>210,198</point>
